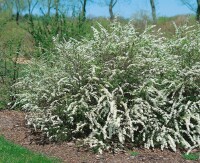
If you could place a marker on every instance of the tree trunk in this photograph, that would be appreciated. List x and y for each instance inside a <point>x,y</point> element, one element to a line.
<point>153,8</point>
<point>1,6</point>
<point>198,11</point>
<point>17,17</point>
<point>56,8</point>
<point>84,10</point>
<point>30,14</point>
<point>111,10</point>
<point>31,6</point>
<point>49,8</point>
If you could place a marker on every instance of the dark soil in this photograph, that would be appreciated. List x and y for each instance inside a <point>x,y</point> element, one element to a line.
<point>12,126</point>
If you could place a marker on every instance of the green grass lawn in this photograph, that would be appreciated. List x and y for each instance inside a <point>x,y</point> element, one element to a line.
<point>11,153</point>
<point>191,156</point>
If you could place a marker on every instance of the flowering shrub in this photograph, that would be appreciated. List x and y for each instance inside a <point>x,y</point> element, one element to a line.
<point>119,87</point>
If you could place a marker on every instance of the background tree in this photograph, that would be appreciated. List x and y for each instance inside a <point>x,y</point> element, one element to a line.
<point>83,11</point>
<point>111,4</point>
<point>153,11</point>
<point>56,5</point>
<point>18,7</point>
<point>82,5</point>
<point>194,6</point>
<point>31,6</point>
<point>47,5</point>
<point>198,11</point>
<point>2,4</point>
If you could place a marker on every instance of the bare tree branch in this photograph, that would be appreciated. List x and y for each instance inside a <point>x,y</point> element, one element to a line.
<point>190,5</point>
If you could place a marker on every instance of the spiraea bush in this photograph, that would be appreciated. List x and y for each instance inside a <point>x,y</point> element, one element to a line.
<point>119,87</point>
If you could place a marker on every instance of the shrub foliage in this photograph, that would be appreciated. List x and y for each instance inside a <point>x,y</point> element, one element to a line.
<point>118,87</point>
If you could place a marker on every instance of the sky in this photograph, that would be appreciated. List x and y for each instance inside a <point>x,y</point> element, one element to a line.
<point>129,8</point>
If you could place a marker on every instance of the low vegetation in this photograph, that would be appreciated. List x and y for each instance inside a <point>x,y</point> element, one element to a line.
<point>191,156</point>
<point>134,154</point>
<point>118,87</point>
<point>17,154</point>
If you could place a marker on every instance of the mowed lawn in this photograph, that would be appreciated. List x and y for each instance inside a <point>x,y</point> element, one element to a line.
<point>11,153</point>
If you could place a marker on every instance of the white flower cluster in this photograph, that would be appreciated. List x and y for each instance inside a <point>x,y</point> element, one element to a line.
<point>118,87</point>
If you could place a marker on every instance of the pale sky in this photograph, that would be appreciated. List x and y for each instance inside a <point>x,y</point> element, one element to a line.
<point>128,9</point>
